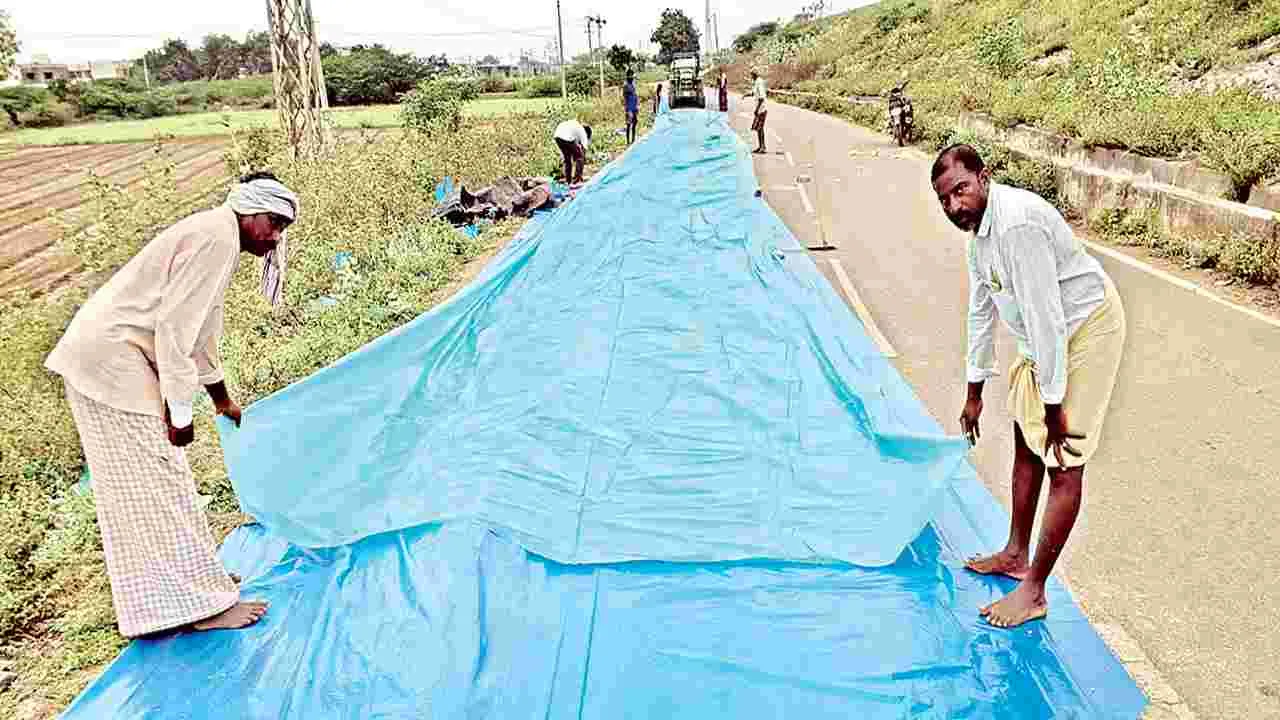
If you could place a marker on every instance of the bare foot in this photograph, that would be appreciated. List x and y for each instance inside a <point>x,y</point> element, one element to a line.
<point>240,615</point>
<point>1002,563</point>
<point>1024,604</point>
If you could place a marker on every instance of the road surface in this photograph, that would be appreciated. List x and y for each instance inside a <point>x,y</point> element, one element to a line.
<point>1177,542</point>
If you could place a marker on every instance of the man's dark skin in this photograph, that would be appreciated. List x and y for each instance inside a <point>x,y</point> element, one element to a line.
<point>963,195</point>
<point>259,235</point>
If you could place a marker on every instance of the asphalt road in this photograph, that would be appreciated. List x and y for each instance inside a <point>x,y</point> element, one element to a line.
<point>1177,542</point>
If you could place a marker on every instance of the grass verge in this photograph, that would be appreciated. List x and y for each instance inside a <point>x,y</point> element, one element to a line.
<point>371,198</point>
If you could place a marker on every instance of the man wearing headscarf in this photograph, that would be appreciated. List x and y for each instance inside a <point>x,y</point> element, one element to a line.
<point>132,361</point>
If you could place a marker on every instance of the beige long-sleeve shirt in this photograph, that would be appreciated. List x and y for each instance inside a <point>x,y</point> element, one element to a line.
<point>150,334</point>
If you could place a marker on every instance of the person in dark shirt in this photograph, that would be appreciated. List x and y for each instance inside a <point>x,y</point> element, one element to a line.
<point>632,104</point>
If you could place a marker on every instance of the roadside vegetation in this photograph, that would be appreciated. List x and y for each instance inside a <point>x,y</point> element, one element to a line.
<point>368,203</point>
<point>1169,78</point>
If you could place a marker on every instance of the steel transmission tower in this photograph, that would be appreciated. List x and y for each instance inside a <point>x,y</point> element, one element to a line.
<point>299,78</point>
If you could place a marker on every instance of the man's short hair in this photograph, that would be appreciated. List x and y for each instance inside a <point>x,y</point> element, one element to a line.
<point>965,155</point>
<point>259,175</point>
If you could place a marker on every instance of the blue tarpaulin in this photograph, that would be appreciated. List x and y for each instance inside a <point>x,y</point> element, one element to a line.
<point>648,464</point>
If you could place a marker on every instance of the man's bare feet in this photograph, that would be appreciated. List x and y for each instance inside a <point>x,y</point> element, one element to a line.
<point>1002,563</point>
<point>240,615</point>
<point>1024,604</point>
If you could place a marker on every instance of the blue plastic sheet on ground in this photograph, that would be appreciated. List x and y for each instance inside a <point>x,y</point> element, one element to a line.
<point>647,465</point>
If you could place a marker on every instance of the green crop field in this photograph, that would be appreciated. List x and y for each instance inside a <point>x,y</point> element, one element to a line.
<point>212,124</point>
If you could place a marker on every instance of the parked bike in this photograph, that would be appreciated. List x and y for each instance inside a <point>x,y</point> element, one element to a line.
<point>901,114</point>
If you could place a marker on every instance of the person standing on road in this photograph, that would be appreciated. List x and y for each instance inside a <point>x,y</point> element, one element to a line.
<point>573,138</point>
<point>724,92</point>
<point>631,104</point>
<point>1027,266</point>
<point>131,362</point>
<point>758,92</point>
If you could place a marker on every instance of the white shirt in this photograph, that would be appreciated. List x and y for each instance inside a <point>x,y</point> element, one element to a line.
<point>1026,264</point>
<point>758,91</point>
<point>573,131</point>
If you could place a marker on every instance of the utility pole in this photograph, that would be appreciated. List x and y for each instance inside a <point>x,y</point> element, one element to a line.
<point>146,72</point>
<point>599,22</point>
<point>299,77</point>
<point>564,85</point>
<point>706,36</point>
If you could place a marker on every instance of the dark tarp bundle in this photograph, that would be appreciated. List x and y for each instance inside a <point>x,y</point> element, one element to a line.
<point>506,197</point>
<point>647,465</point>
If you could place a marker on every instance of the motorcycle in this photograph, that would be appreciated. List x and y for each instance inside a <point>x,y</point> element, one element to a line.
<point>901,115</point>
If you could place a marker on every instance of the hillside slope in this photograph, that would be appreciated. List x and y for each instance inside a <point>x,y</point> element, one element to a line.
<point>1153,76</point>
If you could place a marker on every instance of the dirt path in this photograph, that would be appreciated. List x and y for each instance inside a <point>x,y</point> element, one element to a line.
<point>1176,543</point>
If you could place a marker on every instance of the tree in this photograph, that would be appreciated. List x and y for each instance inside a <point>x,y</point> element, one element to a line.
<point>676,33</point>
<point>490,60</point>
<point>747,41</point>
<point>255,53</point>
<point>219,57</point>
<point>174,62</point>
<point>621,58</point>
<point>373,74</point>
<point>8,44</point>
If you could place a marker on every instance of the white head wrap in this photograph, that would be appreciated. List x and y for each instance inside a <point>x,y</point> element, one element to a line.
<point>268,196</point>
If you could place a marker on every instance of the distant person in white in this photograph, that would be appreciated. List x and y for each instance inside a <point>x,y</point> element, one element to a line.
<point>1027,266</point>
<point>573,138</point>
<point>758,92</point>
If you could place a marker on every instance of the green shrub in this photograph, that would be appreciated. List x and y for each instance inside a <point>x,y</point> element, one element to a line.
<point>541,87</point>
<point>890,17</point>
<point>22,99</point>
<point>1128,227</point>
<point>582,79</point>
<point>436,104</point>
<point>1001,48</point>
<point>372,75</point>
<point>1245,146</point>
<point>1251,258</point>
<point>1255,35</point>
<point>51,113</point>
<point>497,84</point>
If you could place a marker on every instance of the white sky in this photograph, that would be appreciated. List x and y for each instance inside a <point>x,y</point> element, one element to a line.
<point>89,30</point>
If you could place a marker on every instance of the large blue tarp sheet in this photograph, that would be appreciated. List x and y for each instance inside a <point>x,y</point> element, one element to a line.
<point>646,465</point>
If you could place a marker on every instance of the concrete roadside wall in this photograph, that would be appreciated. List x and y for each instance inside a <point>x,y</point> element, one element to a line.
<point>1184,174</point>
<point>1187,197</point>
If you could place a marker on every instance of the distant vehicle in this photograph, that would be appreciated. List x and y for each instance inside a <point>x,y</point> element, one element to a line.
<point>901,114</point>
<point>686,81</point>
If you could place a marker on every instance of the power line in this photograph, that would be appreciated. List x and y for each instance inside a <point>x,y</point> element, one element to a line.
<point>151,36</point>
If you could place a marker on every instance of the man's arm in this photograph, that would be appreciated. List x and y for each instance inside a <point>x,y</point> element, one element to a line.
<point>980,359</point>
<point>189,297</point>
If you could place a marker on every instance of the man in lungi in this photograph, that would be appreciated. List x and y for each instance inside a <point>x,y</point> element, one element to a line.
<point>131,361</point>
<point>1027,266</point>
